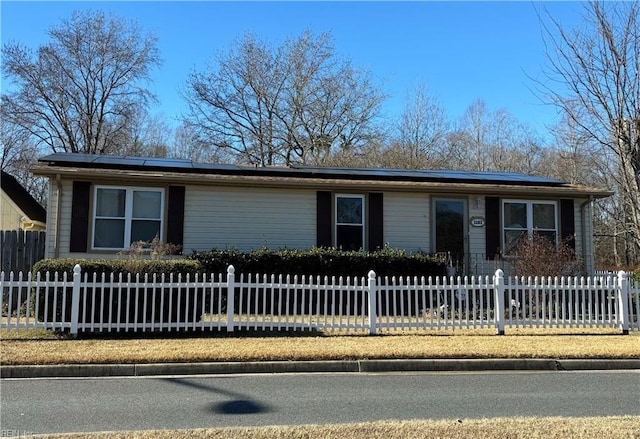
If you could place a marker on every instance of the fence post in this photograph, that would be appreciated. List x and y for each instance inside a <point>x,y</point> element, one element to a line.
<point>372,290</point>
<point>231,288</point>
<point>75,301</point>
<point>623,301</point>
<point>498,282</point>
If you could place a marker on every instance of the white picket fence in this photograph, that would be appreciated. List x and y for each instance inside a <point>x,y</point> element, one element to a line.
<point>97,304</point>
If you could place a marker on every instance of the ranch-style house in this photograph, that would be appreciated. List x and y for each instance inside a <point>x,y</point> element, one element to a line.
<point>99,204</point>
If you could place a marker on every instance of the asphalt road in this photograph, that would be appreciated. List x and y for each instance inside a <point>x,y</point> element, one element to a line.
<point>105,404</point>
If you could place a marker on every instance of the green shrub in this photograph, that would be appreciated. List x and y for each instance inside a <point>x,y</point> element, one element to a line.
<point>100,304</point>
<point>321,261</point>
<point>125,266</point>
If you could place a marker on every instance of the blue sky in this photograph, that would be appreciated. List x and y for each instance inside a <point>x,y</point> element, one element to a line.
<point>462,51</point>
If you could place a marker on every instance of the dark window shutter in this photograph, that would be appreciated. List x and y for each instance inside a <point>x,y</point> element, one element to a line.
<point>175,220</point>
<point>80,216</point>
<point>492,227</point>
<point>567,223</point>
<point>324,220</point>
<point>376,224</point>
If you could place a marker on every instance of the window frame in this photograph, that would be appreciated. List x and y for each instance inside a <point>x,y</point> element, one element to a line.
<point>362,224</point>
<point>128,213</point>
<point>529,228</point>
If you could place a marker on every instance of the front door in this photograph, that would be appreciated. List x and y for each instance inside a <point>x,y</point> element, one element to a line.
<point>450,229</point>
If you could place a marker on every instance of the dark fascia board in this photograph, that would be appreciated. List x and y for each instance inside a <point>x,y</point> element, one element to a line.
<point>22,198</point>
<point>93,161</point>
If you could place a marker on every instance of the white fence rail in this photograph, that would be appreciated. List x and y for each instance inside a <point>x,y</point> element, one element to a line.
<point>96,304</point>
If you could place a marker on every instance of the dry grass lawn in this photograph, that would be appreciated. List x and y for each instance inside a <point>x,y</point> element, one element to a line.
<point>505,428</point>
<point>18,349</point>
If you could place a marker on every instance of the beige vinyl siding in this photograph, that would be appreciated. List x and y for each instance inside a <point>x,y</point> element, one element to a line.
<point>63,229</point>
<point>477,264</point>
<point>406,221</point>
<point>52,226</point>
<point>248,218</point>
<point>240,218</point>
<point>65,225</point>
<point>65,221</point>
<point>584,249</point>
<point>477,235</point>
<point>10,214</point>
<point>12,217</point>
<point>577,215</point>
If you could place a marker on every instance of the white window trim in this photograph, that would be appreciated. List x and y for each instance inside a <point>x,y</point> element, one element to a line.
<point>128,212</point>
<point>335,218</point>
<point>529,226</point>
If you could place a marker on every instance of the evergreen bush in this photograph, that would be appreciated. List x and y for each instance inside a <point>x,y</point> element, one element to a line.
<point>321,261</point>
<point>125,266</point>
<point>103,304</point>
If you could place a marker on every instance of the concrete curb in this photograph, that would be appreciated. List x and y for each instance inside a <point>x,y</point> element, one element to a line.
<point>458,365</point>
<point>351,366</point>
<point>598,364</point>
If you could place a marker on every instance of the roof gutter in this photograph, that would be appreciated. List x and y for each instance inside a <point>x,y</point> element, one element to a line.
<point>29,225</point>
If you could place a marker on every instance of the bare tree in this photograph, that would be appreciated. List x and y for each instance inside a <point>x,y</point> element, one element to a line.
<point>15,141</point>
<point>18,152</point>
<point>597,71</point>
<point>147,136</point>
<point>295,103</point>
<point>421,131</point>
<point>80,92</point>
<point>187,144</point>
<point>470,142</point>
<point>487,140</point>
<point>575,157</point>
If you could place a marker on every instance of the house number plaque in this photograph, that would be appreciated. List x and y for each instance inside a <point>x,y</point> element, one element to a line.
<point>477,221</point>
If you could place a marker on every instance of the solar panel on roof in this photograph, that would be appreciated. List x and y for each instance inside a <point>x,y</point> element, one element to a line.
<point>434,174</point>
<point>168,163</point>
<point>300,171</point>
<point>111,160</point>
<point>69,157</point>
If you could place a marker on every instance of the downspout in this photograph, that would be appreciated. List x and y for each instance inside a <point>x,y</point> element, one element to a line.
<point>583,219</point>
<point>56,248</point>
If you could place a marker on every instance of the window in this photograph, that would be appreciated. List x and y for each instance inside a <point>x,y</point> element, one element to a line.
<point>349,222</point>
<point>523,218</point>
<point>126,215</point>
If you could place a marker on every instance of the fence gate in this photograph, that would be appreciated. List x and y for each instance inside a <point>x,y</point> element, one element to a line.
<point>20,250</point>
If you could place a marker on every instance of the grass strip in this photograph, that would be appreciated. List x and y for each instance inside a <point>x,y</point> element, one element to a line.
<point>499,428</point>
<point>260,347</point>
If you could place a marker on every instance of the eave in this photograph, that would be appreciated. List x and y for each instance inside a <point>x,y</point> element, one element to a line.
<point>161,178</point>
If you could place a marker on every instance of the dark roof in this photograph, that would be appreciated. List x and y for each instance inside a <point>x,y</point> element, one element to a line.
<point>92,161</point>
<point>22,198</point>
